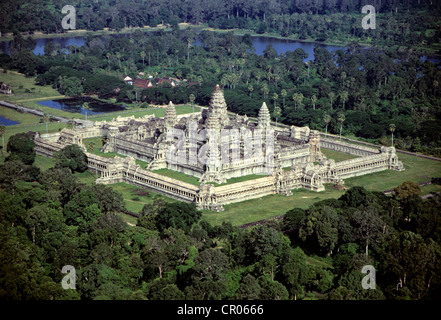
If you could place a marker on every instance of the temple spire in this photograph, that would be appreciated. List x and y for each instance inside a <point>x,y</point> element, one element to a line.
<point>218,107</point>
<point>170,115</point>
<point>264,116</point>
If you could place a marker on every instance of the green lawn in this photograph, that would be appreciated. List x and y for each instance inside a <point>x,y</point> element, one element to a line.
<point>335,155</point>
<point>138,113</point>
<point>195,181</point>
<point>178,176</point>
<point>267,207</point>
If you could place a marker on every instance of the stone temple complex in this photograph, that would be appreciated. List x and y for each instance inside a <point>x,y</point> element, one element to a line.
<point>215,146</point>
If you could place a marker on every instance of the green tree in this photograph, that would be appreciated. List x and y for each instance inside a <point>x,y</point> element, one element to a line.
<point>178,215</point>
<point>72,157</point>
<point>367,226</point>
<point>295,273</point>
<point>392,128</point>
<point>313,100</point>
<point>344,97</point>
<point>11,173</point>
<point>82,210</point>
<point>192,99</point>
<point>331,96</point>
<point>407,190</point>
<point>249,288</point>
<point>21,147</point>
<point>143,55</point>
<point>341,118</point>
<point>327,118</point>
<point>272,290</point>
<point>409,265</point>
<point>72,86</point>
<point>109,200</point>
<point>86,108</point>
<point>2,133</point>
<point>283,93</point>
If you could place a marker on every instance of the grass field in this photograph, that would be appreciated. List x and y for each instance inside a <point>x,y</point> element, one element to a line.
<point>337,156</point>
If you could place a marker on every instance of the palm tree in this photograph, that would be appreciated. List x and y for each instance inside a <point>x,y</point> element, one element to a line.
<point>86,107</point>
<point>143,55</point>
<point>327,119</point>
<point>118,56</point>
<point>250,89</point>
<point>392,128</point>
<point>46,119</point>
<point>275,97</point>
<point>331,96</point>
<point>277,113</point>
<point>265,90</point>
<point>298,98</point>
<point>341,118</point>
<point>2,133</point>
<point>343,77</point>
<point>314,100</point>
<point>344,96</point>
<point>283,93</point>
<point>108,56</point>
<point>192,99</point>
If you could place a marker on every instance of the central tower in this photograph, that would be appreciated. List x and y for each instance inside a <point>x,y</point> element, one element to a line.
<point>217,108</point>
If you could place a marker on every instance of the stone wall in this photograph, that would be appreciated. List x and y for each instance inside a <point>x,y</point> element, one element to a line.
<point>346,147</point>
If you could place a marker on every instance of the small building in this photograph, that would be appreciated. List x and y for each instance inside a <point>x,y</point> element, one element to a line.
<point>143,83</point>
<point>128,80</point>
<point>5,88</point>
<point>162,81</point>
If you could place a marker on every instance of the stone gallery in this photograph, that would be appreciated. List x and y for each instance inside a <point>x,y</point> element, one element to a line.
<point>214,146</point>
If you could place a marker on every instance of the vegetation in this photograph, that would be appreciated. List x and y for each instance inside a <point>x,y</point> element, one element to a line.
<point>53,214</point>
<point>313,253</point>
<point>71,157</point>
<point>403,23</point>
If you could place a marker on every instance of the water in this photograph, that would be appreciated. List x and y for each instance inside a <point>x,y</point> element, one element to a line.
<point>284,45</point>
<point>41,43</point>
<point>75,105</point>
<point>260,43</point>
<point>7,122</point>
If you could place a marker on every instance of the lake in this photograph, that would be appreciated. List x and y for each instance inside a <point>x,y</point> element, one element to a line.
<point>41,43</point>
<point>7,122</point>
<point>259,42</point>
<point>75,105</point>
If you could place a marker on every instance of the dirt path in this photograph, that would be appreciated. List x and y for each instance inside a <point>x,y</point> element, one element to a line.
<point>43,98</point>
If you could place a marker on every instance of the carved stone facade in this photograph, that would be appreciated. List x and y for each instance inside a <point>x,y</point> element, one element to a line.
<point>214,147</point>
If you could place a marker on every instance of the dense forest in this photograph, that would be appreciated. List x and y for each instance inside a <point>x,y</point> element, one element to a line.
<point>48,219</point>
<point>319,19</point>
